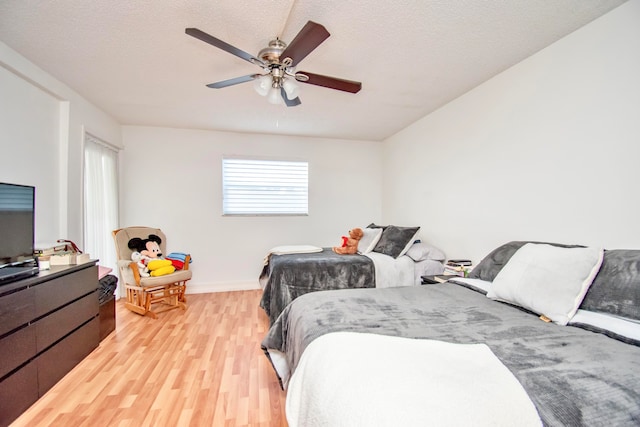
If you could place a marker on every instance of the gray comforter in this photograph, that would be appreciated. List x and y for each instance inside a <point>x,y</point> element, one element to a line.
<point>574,377</point>
<point>286,277</point>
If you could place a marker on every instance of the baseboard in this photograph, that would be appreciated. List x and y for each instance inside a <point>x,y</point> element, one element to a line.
<point>205,288</point>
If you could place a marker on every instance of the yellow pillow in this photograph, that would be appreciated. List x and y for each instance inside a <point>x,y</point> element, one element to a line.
<point>163,271</point>
<point>158,263</point>
<point>160,267</point>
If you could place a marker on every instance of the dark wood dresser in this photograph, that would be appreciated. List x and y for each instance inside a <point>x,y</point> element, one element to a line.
<point>48,324</point>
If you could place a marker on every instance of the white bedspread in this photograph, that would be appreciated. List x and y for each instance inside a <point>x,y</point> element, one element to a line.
<point>392,272</point>
<point>294,249</point>
<point>353,379</point>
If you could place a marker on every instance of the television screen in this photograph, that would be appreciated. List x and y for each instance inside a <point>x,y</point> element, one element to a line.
<point>17,203</point>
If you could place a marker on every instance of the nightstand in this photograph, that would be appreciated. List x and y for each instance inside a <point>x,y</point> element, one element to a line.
<point>438,278</point>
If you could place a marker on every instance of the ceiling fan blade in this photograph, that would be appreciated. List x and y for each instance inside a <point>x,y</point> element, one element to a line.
<point>201,35</point>
<point>330,82</point>
<point>231,82</point>
<point>309,38</point>
<point>289,102</point>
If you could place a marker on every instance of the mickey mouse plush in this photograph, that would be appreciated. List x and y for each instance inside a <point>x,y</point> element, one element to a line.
<point>148,256</point>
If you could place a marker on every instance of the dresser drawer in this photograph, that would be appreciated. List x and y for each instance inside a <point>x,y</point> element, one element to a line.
<point>54,363</point>
<point>17,348</point>
<point>56,325</point>
<point>54,293</point>
<point>17,393</point>
<point>17,309</point>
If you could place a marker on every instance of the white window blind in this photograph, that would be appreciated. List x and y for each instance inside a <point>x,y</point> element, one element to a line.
<point>264,187</point>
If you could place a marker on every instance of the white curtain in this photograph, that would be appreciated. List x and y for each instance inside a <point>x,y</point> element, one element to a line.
<point>100,201</point>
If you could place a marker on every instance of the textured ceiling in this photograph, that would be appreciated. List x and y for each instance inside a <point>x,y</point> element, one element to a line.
<point>132,58</point>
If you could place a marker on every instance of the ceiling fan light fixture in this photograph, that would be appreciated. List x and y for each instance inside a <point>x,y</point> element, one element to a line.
<point>262,84</point>
<point>274,96</point>
<point>291,88</point>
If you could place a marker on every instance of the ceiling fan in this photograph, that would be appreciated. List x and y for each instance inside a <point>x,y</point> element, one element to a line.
<point>278,62</point>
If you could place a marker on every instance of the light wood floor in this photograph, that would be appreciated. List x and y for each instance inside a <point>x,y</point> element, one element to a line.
<point>199,367</point>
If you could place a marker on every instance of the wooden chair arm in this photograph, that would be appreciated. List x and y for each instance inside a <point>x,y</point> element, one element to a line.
<point>187,260</point>
<point>136,273</point>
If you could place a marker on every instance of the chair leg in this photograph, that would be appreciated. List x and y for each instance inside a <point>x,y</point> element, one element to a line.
<point>140,300</point>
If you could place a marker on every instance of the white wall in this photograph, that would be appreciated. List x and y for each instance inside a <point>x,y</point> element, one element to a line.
<point>29,132</point>
<point>548,150</point>
<point>172,179</point>
<point>42,125</point>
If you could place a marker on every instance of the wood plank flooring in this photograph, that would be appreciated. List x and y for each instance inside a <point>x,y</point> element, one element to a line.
<point>199,367</point>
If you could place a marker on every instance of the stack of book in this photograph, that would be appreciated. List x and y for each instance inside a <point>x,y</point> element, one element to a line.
<point>59,254</point>
<point>442,278</point>
<point>458,267</point>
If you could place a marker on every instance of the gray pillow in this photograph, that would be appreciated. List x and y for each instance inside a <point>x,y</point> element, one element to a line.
<point>373,225</point>
<point>491,265</point>
<point>616,288</point>
<point>395,241</point>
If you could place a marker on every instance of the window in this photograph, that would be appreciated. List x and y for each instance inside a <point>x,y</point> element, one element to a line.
<point>264,187</point>
<point>100,200</point>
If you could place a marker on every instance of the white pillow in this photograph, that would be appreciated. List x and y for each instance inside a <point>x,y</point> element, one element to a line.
<point>369,240</point>
<point>421,251</point>
<point>547,280</point>
<point>627,328</point>
<point>294,249</point>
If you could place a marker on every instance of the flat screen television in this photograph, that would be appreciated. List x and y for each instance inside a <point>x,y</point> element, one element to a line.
<point>17,232</point>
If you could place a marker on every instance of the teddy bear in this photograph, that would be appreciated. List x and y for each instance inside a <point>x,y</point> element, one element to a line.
<point>350,243</point>
<point>148,256</point>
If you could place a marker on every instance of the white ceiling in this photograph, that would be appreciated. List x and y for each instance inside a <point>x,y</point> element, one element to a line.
<point>133,59</point>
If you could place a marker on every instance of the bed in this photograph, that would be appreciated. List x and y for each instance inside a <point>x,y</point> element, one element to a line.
<point>389,257</point>
<point>383,356</point>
